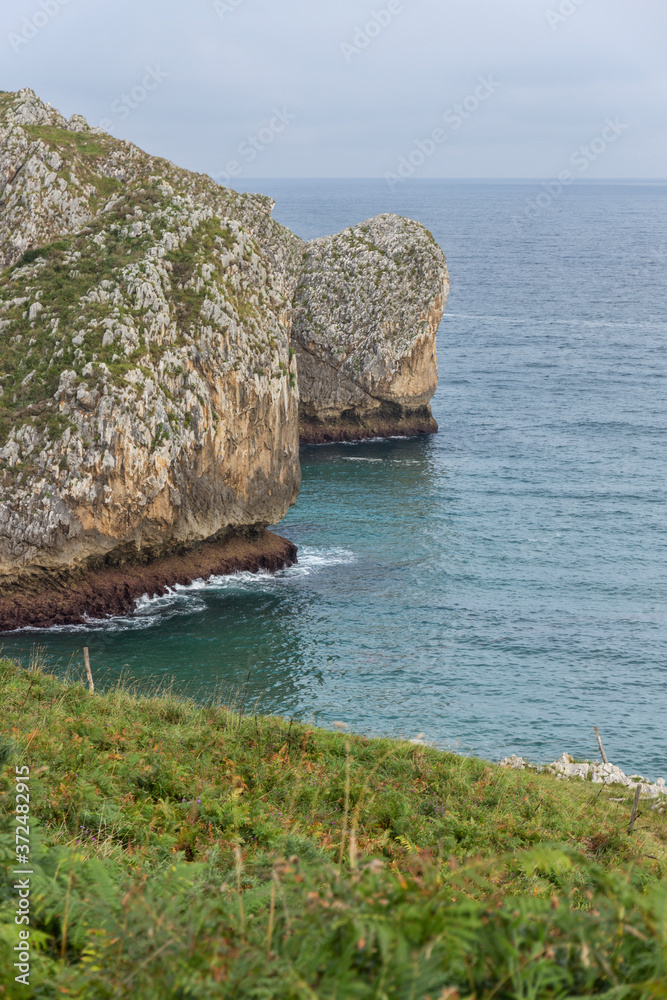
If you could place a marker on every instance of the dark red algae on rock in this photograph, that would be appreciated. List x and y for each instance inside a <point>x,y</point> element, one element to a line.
<point>313,431</point>
<point>113,590</point>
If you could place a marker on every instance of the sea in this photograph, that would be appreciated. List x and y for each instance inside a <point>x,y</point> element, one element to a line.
<point>497,588</point>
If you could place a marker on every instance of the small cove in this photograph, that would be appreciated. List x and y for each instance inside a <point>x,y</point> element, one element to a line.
<point>502,586</point>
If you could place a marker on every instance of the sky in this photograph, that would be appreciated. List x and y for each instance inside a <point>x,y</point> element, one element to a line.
<point>245,89</point>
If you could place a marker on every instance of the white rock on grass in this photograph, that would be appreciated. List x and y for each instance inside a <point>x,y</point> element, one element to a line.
<point>599,774</point>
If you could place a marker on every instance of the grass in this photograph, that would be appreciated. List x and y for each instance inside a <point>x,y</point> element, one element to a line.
<point>183,850</point>
<point>202,247</point>
<point>83,143</point>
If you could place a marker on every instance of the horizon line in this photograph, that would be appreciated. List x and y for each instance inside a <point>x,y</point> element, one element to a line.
<point>468,180</point>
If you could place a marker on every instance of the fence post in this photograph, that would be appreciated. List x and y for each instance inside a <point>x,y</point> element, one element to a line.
<point>89,674</point>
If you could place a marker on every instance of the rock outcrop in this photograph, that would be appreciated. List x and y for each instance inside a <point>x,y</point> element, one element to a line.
<point>598,773</point>
<point>50,188</point>
<point>147,395</point>
<point>367,311</point>
<point>149,402</point>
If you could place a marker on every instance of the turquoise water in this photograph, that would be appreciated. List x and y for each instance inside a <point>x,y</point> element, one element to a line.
<point>500,587</point>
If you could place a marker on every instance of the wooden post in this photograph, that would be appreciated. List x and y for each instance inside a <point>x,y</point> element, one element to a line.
<point>635,807</point>
<point>604,756</point>
<point>86,660</point>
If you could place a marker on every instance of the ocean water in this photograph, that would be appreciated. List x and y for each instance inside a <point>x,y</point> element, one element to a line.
<point>499,587</point>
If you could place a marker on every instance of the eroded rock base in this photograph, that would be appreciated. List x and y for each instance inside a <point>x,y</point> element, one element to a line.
<point>113,590</point>
<point>388,420</point>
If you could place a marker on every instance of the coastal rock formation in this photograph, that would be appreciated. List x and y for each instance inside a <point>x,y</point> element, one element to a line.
<point>149,404</point>
<point>366,314</point>
<point>114,589</point>
<point>147,395</point>
<point>50,188</point>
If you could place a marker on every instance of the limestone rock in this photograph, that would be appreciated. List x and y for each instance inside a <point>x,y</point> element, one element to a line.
<point>599,774</point>
<point>45,189</point>
<point>514,763</point>
<point>367,311</point>
<point>148,396</point>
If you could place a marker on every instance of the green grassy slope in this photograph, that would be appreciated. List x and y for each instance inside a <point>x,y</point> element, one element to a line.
<point>189,851</point>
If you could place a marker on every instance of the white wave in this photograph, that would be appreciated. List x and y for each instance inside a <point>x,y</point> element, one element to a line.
<point>388,460</point>
<point>309,559</point>
<point>312,557</point>
<point>113,624</point>
<point>185,599</point>
<point>182,599</point>
<point>361,441</point>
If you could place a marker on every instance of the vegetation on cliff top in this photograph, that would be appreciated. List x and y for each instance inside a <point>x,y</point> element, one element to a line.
<point>183,850</point>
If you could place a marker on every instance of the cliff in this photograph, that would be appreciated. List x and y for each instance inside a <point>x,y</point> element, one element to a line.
<point>148,399</point>
<point>367,311</point>
<point>149,403</point>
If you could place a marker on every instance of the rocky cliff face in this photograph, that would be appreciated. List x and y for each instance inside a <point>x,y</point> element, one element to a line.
<point>367,310</point>
<point>47,188</point>
<point>147,395</point>
<point>148,384</point>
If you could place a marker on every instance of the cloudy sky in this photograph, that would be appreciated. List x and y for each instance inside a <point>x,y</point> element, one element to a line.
<point>353,88</point>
